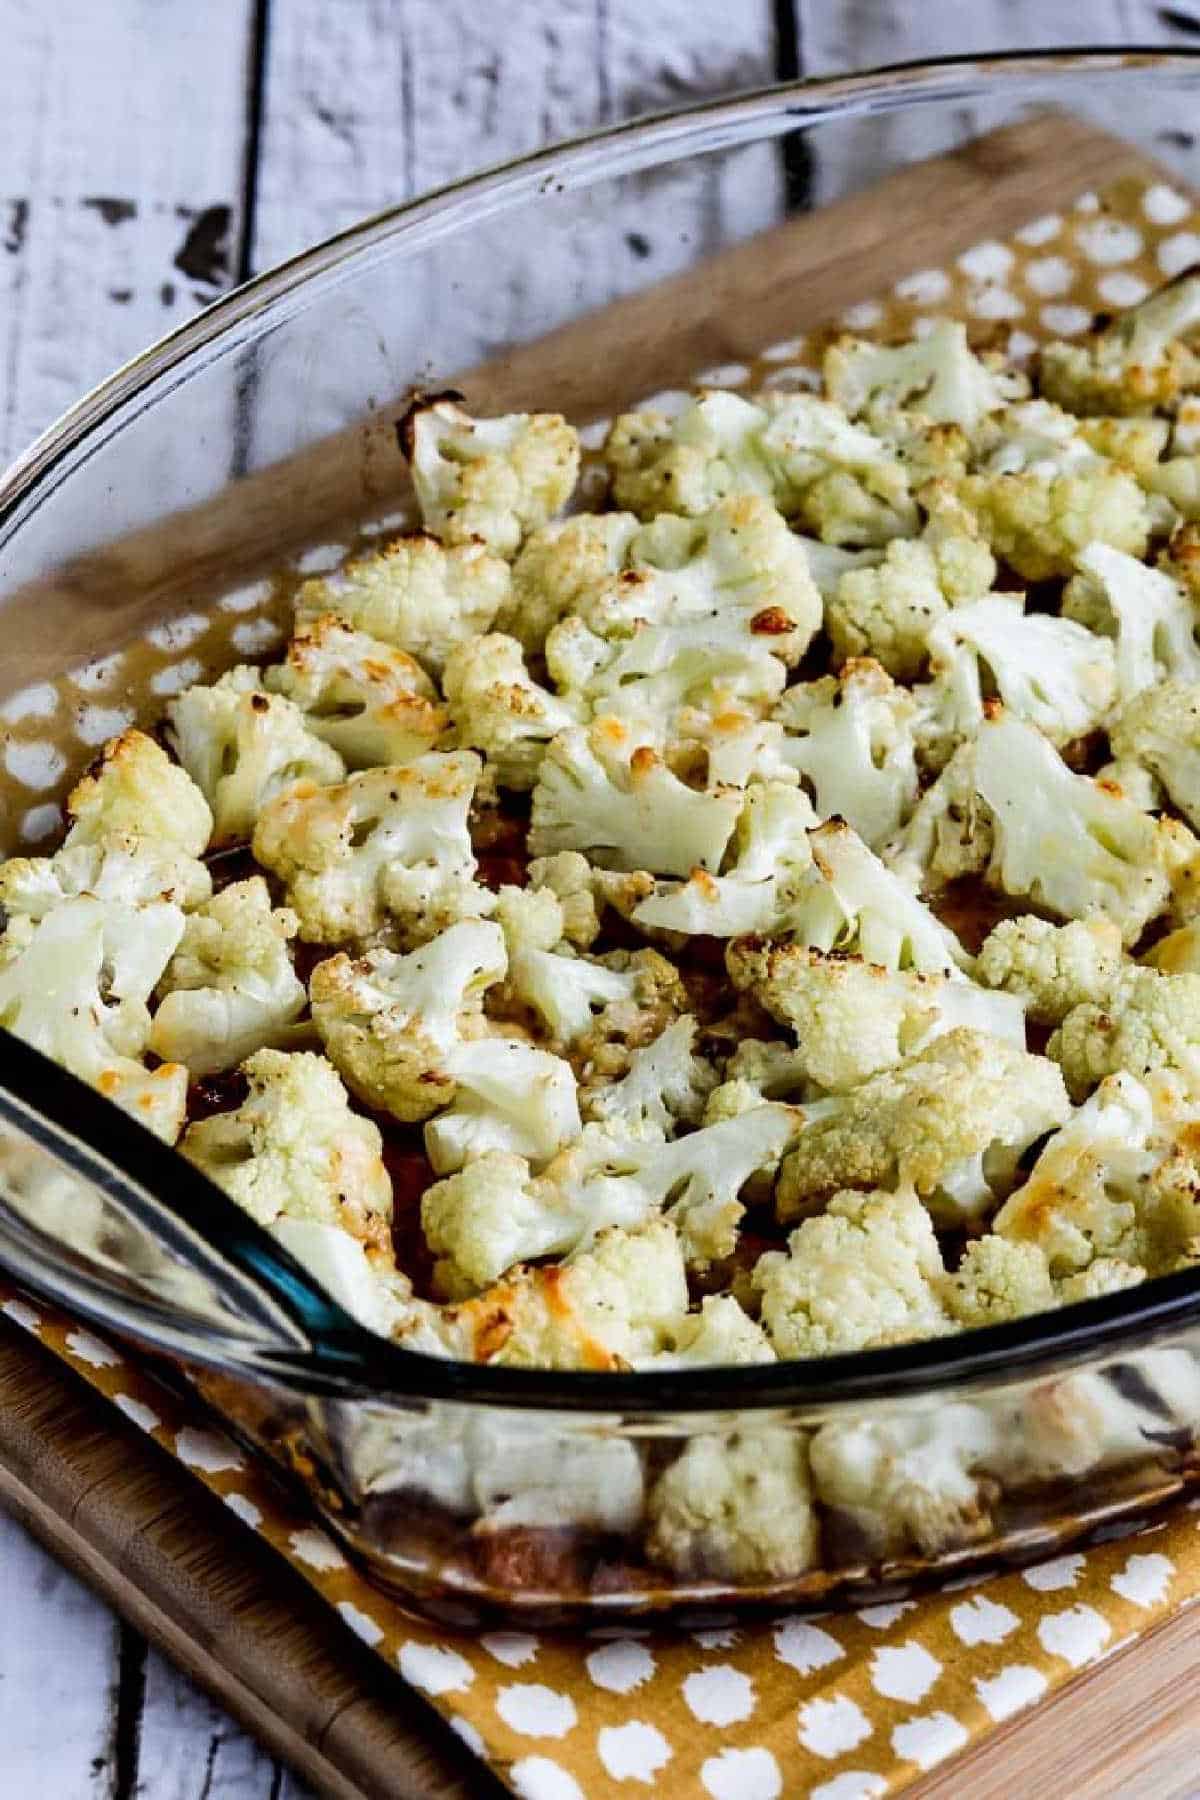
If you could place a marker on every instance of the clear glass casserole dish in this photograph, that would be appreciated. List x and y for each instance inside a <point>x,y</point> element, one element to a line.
<point>166,517</point>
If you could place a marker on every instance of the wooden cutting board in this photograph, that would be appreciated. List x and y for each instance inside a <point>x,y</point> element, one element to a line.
<point>164,1551</point>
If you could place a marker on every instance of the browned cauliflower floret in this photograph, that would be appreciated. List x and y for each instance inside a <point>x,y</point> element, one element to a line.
<point>561,566</point>
<point>415,594</point>
<point>1135,364</point>
<point>294,1147</point>
<point>243,746</point>
<point>136,790</point>
<point>387,848</point>
<point>658,997</point>
<point>489,480</point>
<point>389,1023</point>
<point>930,1123</point>
<point>1040,522</point>
<point>1120,1181</point>
<point>499,709</point>
<point>374,703</point>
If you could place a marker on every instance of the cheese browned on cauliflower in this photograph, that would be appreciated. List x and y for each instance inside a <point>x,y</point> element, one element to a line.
<point>136,790</point>
<point>372,702</point>
<point>293,1147</point>
<point>389,849</point>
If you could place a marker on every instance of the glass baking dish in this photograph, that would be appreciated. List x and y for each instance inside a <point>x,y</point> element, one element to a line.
<point>159,527</point>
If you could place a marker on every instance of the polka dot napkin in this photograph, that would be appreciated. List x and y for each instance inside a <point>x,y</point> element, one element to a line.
<point>843,1707</point>
<point>840,1707</point>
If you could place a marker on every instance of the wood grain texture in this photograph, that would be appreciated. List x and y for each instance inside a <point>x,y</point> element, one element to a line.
<point>162,1548</point>
<point>122,139</point>
<point>860,34</point>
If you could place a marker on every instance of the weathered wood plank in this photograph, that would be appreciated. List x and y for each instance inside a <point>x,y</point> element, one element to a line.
<point>190,1750</point>
<point>121,177</point>
<point>368,105</point>
<point>58,1670</point>
<point>860,34</point>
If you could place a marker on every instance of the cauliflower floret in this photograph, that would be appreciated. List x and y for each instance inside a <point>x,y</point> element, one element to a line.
<point>565,991</point>
<point>293,1146</point>
<point>695,1181</point>
<point>75,983</point>
<point>498,708</point>
<point>230,987</point>
<point>489,480</point>
<point>796,449</point>
<point>850,736</point>
<point>242,747</point>
<point>1068,843</point>
<point>864,1273</point>
<point>736,1508</point>
<point>1052,968</point>
<point>1053,673</point>
<point>720,1334</point>
<point>387,848</point>
<point>372,702</point>
<point>605,1049</point>
<point>1150,616</point>
<point>856,906</point>
<point>1159,729</point>
<point>666,1085</point>
<point>1147,1021</point>
<point>508,1096</point>
<point>655,687</point>
<point>493,1214</point>
<point>414,593</point>
<point>1107,1275</point>
<point>913,1480</point>
<point>768,858</point>
<point>119,867</point>
<point>1120,1180</point>
<point>852,1018</point>
<point>560,567</point>
<point>827,563</point>
<point>612,1305</point>
<point>633,815</point>
<point>362,1278</point>
<point>687,464</point>
<point>1135,364</point>
<point>389,1022</point>
<point>569,877</point>
<point>847,484</point>
<point>736,562</point>
<point>998,1278</point>
<point>1039,521</point>
<point>950,832</point>
<point>135,790</point>
<point>933,1123</point>
<point>887,611</point>
<point>938,375</point>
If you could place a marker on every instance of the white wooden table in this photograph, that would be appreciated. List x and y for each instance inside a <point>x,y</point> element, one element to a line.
<point>152,154</point>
